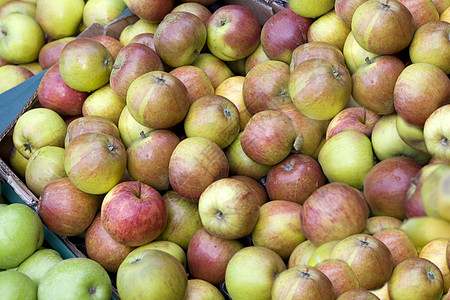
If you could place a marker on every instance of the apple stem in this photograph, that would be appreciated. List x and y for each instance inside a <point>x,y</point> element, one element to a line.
<point>364,115</point>
<point>305,274</point>
<point>444,141</point>
<point>106,62</point>
<point>112,148</point>
<point>430,275</point>
<point>139,189</point>
<point>27,146</point>
<point>142,134</point>
<point>336,73</point>
<point>364,243</point>
<point>368,61</point>
<point>160,80</point>
<point>385,5</point>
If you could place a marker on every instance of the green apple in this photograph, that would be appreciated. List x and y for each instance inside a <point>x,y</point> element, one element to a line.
<point>437,133</point>
<point>12,75</point>
<point>21,233</point>
<point>102,11</point>
<point>59,18</point>
<point>422,230</point>
<point>354,54</point>
<point>321,253</point>
<point>311,9</point>
<point>216,69</point>
<point>151,274</point>
<point>76,278</point>
<point>16,285</point>
<point>105,103</point>
<point>34,67</point>
<point>202,289</point>
<point>85,64</point>
<point>165,246</point>
<point>38,263</point>
<point>347,157</point>
<point>21,7</point>
<point>436,252</point>
<point>132,30</point>
<point>301,254</point>
<point>435,193</point>
<point>21,38</point>
<point>329,28</point>
<point>130,129</point>
<point>411,134</point>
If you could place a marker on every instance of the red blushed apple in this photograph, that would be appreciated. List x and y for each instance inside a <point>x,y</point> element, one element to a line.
<point>196,8</point>
<point>358,294</point>
<point>413,201</point>
<point>294,179</point>
<point>346,8</point>
<point>412,98</point>
<point>104,249</point>
<point>282,33</point>
<point>373,83</point>
<point>55,94</point>
<point>340,274</point>
<point>113,45</point>
<point>423,11</point>
<point>66,210</point>
<point>203,2</point>
<point>353,118</point>
<point>133,213</point>
<point>132,61</point>
<point>266,86</point>
<point>333,212</point>
<point>255,186</point>
<point>316,49</point>
<point>208,256</point>
<point>398,243</point>
<point>152,11</point>
<point>386,184</point>
<point>196,81</point>
<point>378,223</point>
<point>195,163</point>
<point>88,124</point>
<point>216,69</point>
<point>145,39</point>
<point>148,158</point>
<point>257,56</point>
<point>49,54</point>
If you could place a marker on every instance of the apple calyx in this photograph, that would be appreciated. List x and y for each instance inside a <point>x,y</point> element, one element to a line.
<point>219,215</point>
<point>336,73</point>
<point>112,148</point>
<point>222,22</point>
<point>27,146</point>
<point>288,167</point>
<point>227,113</point>
<point>363,243</point>
<point>444,141</point>
<point>431,276</point>
<point>305,274</point>
<point>136,261</point>
<point>160,80</point>
<point>385,6</point>
<point>3,32</point>
<point>92,291</point>
<point>106,62</point>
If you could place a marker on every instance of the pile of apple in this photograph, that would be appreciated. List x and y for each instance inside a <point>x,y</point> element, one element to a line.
<point>307,157</point>
<point>29,28</point>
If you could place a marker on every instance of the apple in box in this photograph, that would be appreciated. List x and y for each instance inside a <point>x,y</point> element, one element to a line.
<point>346,8</point>
<point>13,75</point>
<point>437,133</point>
<point>130,129</point>
<point>340,274</point>
<point>88,124</point>
<point>216,69</point>
<point>196,81</point>
<point>113,45</point>
<point>353,118</point>
<point>198,289</point>
<point>316,49</point>
<point>301,254</point>
<point>399,244</point>
<point>197,8</point>
<point>49,54</point>
<point>17,285</point>
<point>104,102</point>
<point>152,11</point>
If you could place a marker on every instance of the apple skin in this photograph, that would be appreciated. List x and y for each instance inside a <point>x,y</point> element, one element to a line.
<point>132,30</point>
<point>55,94</point>
<point>195,163</point>
<point>437,133</point>
<point>386,184</point>
<point>102,248</point>
<point>376,224</point>
<point>146,39</point>
<point>202,289</point>
<point>411,90</point>
<point>85,64</point>
<point>255,186</point>
<point>38,263</point>
<point>17,285</point>
<point>282,33</point>
<point>102,11</point>
<point>152,11</point>
<point>229,208</point>
<point>353,118</point>
<point>310,9</point>
<point>112,44</point>
<point>316,49</point>
<point>436,252</point>
<point>321,253</point>
<point>166,246</point>
<point>413,201</point>
<point>411,134</point>
<point>13,75</point>
<point>434,196</point>
<point>216,69</point>
<point>354,54</point>
<point>198,9</point>
<point>393,31</point>
<point>251,273</point>
<point>33,67</point>
<point>130,129</point>
<point>18,162</point>
<point>329,28</point>
<point>233,32</point>
<point>373,83</point>
<point>333,212</point>
<point>294,179</point>
<point>15,6</point>
<point>179,38</point>
<point>268,137</point>
<point>340,274</point>
<point>331,92</point>
<point>266,86</point>
<point>49,54</point>
<point>104,102</point>
<point>208,256</point>
<point>358,294</point>
<point>423,11</point>
<point>143,219</point>
<point>88,124</point>
<point>346,8</point>
<point>148,158</point>
<point>158,100</point>
<point>301,254</point>
<point>445,15</point>
<point>103,164</point>
<point>416,278</point>
<point>422,230</point>
<point>131,62</point>
<point>196,81</point>
<point>257,56</point>
<point>398,243</point>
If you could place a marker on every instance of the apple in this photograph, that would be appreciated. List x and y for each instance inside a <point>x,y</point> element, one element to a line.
<point>22,233</point>
<point>102,248</point>
<point>88,124</point>
<point>354,54</point>
<point>376,224</point>
<point>340,274</point>
<point>329,28</point>
<point>266,86</point>
<point>145,39</point>
<point>251,273</point>
<point>255,186</point>
<point>411,90</point>
<point>394,28</point>
<point>353,118</point>
<point>413,201</point>
<point>18,162</point>
<point>436,133</point>
<point>36,128</point>
<point>13,75</point>
<point>422,230</point>
<point>282,33</point>
<point>399,244</point>
<point>130,129</point>
<point>55,94</point>
<point>16,6</point>
<point>411,134</point>
<point>436,252</point>
<point>158,99</point>
<point>131,62</point>
<point>59,19</point>
<point>294,179</point>
<point>38,263</point>
<point>134,29</point>
<point>195,163</point>
<point>445,15</point>
<point>358,294</point>
<point>256,57</point>
<point>302,282</point>
<point>196,81</point>
<point>17,285</point>
<point>423,11</point>
<point>338,166</point>
<point>333,212</point>
<point>321,253</point>
<point>233,32</point>
<point>75,278</point>
<point>213,117</point>
<point>373,83</point>
<point>33,67</point>
<point>301,254</point>
<point>216,69</point>
<point>325,98</point>
<point>208,256</point>
<point>142,221</point>
<point>103,164</point>
<point>102,11</point>
<point>198,9</point>
<point>202,289</point>
<point>435,199</point>
<point>49,54</point>
<point>112,44</point>
<point>416,278</point>
<point>143,273</point>
<point>169,247</point>
<point>152,11</point>
<point>85,64</point>
<point>346,8</point>
<point>21,38</point>
<point>316,49</point>
<point>228,208</point>
<point>311,10</point>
